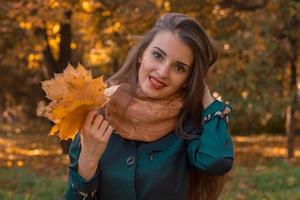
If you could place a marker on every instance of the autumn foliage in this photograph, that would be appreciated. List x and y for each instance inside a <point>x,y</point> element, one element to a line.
<point>73,94</point>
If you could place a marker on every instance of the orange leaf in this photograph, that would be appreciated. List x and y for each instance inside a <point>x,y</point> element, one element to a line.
<point>73,94</point>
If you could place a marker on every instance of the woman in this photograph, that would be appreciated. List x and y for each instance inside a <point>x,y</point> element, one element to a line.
<point>162,135</point>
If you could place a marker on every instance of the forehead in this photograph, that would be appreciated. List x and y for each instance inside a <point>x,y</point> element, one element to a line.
<point>173,46</point>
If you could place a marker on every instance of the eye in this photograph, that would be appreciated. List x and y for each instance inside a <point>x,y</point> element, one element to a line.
<point>180,68</point>
<point>157,55</point>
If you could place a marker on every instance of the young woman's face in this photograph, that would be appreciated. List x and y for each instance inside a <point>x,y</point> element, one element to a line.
<point>165,66</point>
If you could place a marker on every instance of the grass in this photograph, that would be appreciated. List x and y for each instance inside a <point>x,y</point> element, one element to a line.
<point>32,167</point>
<point>24,184</point>
<point>274,180</point>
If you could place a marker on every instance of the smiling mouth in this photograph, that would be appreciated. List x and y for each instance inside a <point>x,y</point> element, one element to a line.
<point>156,84</point>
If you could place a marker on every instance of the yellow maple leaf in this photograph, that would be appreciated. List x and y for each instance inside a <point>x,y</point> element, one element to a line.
<point>73,94</point>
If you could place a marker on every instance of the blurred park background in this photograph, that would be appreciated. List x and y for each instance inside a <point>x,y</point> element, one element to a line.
<point>257,73</point>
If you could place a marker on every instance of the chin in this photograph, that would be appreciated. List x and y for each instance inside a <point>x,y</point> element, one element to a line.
<point>152,94</point>
<point>156,94</point>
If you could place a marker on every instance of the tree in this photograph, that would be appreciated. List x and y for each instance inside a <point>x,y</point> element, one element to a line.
<point>287,33</point>
<point>257,40</point>
<point>280,32</point>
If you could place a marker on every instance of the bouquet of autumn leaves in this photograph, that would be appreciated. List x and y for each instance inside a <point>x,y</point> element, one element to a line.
<point>73,94</point>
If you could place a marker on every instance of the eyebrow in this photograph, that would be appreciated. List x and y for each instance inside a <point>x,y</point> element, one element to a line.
<point>165,54</point>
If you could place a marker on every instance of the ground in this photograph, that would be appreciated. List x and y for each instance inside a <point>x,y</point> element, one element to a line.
<point>33,165</point>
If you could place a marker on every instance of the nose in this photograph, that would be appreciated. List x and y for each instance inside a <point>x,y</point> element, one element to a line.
<point>163,70</point>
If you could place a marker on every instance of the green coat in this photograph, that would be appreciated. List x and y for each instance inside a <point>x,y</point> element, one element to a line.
<point>130,170</point>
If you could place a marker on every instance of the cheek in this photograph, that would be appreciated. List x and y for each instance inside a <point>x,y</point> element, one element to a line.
<point>143,72</point>
<point>179,80</point>
<point>146,67</point>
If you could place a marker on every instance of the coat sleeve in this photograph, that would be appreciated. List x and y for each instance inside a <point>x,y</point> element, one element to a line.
<point>77,187</point>
<point>212,150</point>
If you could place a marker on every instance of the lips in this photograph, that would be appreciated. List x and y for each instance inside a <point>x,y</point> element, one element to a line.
<point>155,83</point>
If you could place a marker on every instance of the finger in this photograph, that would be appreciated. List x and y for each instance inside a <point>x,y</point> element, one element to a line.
<point>89,119</point>
<point>108,133</point>
<point>103,127</point>
<point>101,111</point>
<point>97,122</point>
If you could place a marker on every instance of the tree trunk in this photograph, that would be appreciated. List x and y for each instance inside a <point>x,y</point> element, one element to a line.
<point>64,58</point>
<point>2,106</point>
<point>57,66</point>
<point>65,43</point>
<point>290,124</point>
<point>49,60</point>
<point>290,114</point>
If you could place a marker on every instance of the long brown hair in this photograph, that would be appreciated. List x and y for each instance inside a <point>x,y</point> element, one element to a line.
<point>202,186</point>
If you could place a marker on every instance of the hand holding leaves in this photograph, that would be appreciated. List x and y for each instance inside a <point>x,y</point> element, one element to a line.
<point>73,94</point>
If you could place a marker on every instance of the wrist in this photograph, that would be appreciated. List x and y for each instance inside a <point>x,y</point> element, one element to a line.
<point>86,167</point>
<point>87,157</point>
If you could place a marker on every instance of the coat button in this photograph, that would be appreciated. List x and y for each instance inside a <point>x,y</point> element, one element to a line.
<point>130,160</point>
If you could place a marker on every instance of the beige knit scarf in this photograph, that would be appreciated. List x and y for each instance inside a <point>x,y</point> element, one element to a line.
<point>138,117</point>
